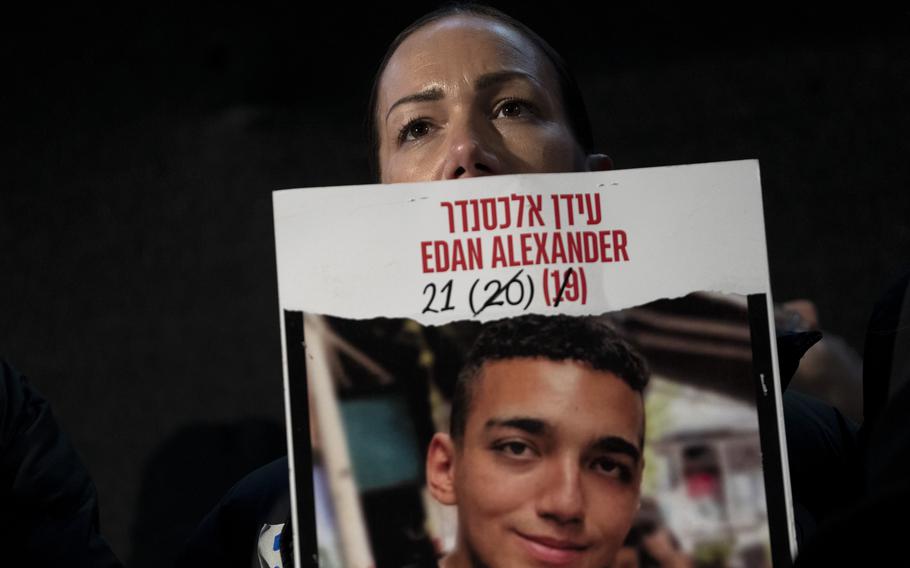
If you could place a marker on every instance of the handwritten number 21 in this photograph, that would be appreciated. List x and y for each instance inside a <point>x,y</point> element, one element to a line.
<point>445,290</point>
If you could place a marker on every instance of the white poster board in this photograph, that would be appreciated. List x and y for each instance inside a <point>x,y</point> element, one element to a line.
<point>673,257</point>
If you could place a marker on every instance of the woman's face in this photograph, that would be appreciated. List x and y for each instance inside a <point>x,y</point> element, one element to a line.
<point>467,96</point>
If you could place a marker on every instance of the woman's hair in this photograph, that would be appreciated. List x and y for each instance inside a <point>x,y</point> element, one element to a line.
<point>572,101</point>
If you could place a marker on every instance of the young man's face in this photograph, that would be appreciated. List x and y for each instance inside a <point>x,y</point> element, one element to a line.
<point>549,469</point>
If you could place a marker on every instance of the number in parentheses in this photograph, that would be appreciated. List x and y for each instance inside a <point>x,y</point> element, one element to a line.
<point>492,299</point>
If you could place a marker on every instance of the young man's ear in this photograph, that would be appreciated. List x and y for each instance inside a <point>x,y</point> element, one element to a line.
<point>598,163</point>
<point>441,469</point>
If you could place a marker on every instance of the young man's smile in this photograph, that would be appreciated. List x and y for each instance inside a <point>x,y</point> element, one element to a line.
<point>549,468</point>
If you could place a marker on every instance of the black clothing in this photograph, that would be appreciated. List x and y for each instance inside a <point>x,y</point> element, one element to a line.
<point>824,461</point>
<point>870,530</point>
<point>229,535</point>
<point>48,503</point>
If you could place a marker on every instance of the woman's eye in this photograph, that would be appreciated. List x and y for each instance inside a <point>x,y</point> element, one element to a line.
<point>413,130</point>
<point>513,109</point>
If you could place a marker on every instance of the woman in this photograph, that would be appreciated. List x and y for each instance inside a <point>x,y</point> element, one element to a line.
<point>465,91</point>
<point>468,91</point>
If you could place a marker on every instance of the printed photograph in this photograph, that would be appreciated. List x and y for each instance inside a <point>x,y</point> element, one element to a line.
<point>629,439</point>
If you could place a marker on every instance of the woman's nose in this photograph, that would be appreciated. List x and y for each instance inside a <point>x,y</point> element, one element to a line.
<point>469,153</point>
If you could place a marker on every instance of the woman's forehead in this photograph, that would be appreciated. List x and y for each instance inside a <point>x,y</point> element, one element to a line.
<point>458,49</point>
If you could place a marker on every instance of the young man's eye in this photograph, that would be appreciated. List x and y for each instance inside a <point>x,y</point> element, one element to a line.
<point>514,449</point>
<point>413,130</point>
<point>612,468</point>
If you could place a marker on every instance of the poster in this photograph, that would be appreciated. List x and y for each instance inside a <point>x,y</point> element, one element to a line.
<point>525,298</point>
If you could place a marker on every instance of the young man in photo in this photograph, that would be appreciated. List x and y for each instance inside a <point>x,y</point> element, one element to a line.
<point>544,456</point>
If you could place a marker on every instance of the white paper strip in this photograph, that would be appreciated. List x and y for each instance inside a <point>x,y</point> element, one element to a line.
<point>410,250</point>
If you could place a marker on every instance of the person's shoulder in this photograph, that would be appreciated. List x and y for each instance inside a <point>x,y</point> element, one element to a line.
<point>50,506</point>
<point>230,533</point>
<point>263,490</point>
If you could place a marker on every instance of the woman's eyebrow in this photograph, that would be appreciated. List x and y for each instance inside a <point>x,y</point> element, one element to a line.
<point>497,78</point>
<point>483,82</point>
<point>428,94</point>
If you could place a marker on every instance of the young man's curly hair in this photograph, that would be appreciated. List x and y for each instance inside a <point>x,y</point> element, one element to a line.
<point>587,340</point>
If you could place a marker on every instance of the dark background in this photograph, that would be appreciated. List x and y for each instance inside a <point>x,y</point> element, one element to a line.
<point>141,147</point>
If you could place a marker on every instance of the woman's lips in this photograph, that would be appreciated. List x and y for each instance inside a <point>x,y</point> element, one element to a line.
<point>553,551</point>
